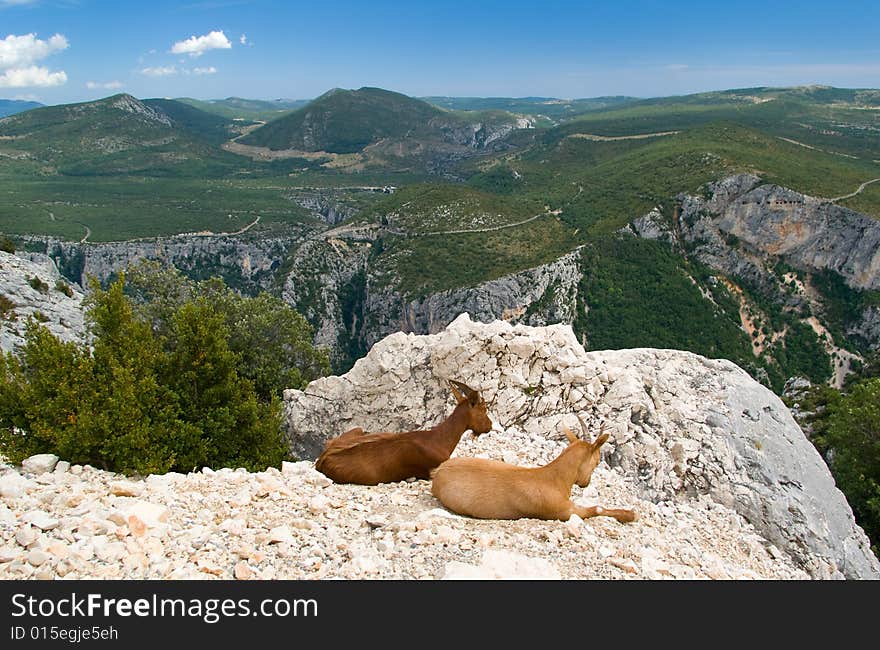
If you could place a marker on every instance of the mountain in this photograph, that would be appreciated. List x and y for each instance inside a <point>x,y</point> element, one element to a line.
<point>237,108</point>
<point>13,106</point>
<point>380,129</point>
<point>118,135</point>
<point>345,121</point>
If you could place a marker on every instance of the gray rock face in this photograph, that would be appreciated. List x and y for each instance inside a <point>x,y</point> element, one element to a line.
<point>809,233</point>
<point>247,262</point>
<point>683,427</point>
<point>60,313</point>
<point>536,296</point>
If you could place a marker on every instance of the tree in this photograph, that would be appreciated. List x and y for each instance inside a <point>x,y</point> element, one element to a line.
<point>853,436</point>
<point>169,384</point>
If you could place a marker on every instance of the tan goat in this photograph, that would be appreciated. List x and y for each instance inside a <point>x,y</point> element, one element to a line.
<point>490,489</point>
<point>386,457</point>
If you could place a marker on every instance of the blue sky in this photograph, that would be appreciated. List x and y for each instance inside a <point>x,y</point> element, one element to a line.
<point>58,51</point>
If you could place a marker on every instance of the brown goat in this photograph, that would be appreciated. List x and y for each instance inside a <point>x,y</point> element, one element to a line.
<point>385,457</point>
<point>490,489</point>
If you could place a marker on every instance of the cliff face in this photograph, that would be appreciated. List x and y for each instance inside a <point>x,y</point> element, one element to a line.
<point>809,233</point>
<point>683,427</point>
<point>246,262</point>
<point>537,296</point>
<point>34,288</point>
<point>744,229</point>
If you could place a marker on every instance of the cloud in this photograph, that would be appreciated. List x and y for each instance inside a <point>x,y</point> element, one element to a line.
<point>17,3</point>
<point>31,76</point>
<point>109,85</point>
<point>242,39</point>
<point>210,70</point>
<point>19,56</point>
<point>198,45</point>
<point>25,50</point>
<point>162,71</point>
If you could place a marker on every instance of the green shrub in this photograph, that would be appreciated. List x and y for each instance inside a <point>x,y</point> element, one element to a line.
<point>64,288</point>
<point>147,397</point>
<point>6,307</point>
<point>38,285</point>
<point>7,245</point>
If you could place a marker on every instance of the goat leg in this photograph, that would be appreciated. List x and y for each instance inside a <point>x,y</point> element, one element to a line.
<point>620,514</point>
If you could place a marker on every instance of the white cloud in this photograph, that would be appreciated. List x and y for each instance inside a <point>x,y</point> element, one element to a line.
<point>109,85</point>
<point>242,39</point>
<point>14,3</point>
<point>162,71</point>
<point>25,50</point>
<point>210,70</point>
<point>198,45</point>
<point>19,56</point>
<point>31,76</point>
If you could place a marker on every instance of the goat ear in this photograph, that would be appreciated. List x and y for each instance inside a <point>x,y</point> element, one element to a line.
<point>601,440</point>
<point>569,433</point>
<point>455,392</point>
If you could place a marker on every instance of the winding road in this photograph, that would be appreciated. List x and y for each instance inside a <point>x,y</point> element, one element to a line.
<point>852,194</point>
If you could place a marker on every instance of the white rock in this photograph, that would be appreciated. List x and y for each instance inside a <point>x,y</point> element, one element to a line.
<point>8,554</point>
<point>502,565</point>
<point>37,557</point>
<point>281,534</point>
<point>126,488</point>
<point>13,485</point>
<point>319,504</point>
<point>61,467</point>
<point>26,535</point>
<point>41,519</point>
<point>6,515</point>
<point>150,513</point>
<point>39,463</point>
<point>438,512</point>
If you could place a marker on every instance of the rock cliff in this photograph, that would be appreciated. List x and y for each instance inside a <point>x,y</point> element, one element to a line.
<point>34,288</point>
<point>684,428</point>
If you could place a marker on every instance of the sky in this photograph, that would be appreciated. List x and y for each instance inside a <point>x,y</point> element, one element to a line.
<point>63,51</point>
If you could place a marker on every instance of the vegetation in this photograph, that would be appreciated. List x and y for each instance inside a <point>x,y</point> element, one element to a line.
<point>169,384</point>
<point>845,427</point>
<point>641,294</point>
<point>38,285</point>
<point>7,245</point>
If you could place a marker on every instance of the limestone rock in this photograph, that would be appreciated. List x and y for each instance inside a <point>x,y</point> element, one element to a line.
<point>502,565</point>
<point>682,425</point>
<point>40,463</point>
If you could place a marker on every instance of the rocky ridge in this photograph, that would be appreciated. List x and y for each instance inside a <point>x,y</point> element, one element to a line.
<point>685,429</point>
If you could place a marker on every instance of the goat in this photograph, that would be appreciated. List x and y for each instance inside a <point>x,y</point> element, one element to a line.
<point>490,489</point>
<point>385,457</point>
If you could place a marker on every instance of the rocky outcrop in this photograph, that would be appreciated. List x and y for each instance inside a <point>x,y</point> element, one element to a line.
<point>34,288</point>
<point>683,427</point>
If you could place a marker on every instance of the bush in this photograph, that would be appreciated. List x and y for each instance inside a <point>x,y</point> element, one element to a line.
<point>149,396</point>
<point>7,245</point>
<point>38,285</point>
<point>64,288</point>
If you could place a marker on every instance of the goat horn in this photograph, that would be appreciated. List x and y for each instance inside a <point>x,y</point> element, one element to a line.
<point>587,435</point>
<point>467,390</point>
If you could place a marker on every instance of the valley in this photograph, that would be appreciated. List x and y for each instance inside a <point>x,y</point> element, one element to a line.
<point>372,212</point>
